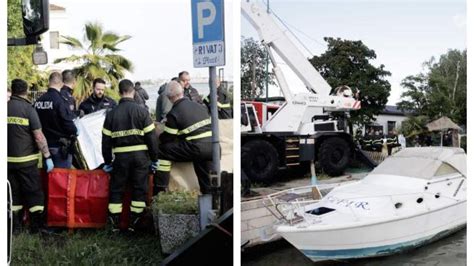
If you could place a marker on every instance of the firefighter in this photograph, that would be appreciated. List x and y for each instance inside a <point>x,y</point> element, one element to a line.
<point>186,138</point>
<point>26,143</point>
<point>97,101</point>
<point>224,107</point>
<point>57,120</point>
<point>128,134</point>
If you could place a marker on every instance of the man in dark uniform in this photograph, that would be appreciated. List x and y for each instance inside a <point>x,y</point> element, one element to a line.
<point>224,107</point>
<point>26,143</point>
<point>69,81</point>
<point>97,101</point>
<point>57,120</point>
<point>129,134</point>
<point>189,92</point>
<point>141,96</point>
<point>186,138</point>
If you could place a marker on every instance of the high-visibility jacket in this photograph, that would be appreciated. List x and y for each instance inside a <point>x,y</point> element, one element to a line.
<point>128,128</point>
<point>187,120</point>
<point>22,120</point>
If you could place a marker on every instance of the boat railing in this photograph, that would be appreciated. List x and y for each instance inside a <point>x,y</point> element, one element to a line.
<point>288,205</point>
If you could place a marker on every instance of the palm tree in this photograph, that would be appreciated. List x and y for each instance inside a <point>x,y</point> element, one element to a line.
<point>99,60</point>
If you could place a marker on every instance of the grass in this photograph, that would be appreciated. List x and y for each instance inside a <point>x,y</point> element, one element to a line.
<point>177,202</point>
<point>86,247</point>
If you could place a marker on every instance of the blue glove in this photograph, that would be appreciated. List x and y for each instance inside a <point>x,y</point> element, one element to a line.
<point>154,166</point>
<point>49,165</point>
<point>107,168</point>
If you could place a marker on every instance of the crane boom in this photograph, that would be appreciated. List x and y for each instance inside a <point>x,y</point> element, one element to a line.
<point>275,38</point>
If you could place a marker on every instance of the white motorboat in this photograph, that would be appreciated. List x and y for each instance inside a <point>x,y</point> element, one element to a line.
<point>414,197</point>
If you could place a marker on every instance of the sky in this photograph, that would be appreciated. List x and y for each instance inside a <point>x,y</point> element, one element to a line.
<point>403,33</point>
<point>161,43</point>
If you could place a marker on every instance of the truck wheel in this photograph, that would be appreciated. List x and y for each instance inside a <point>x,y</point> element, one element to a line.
<point>334,156</point>
<point>260,160</point>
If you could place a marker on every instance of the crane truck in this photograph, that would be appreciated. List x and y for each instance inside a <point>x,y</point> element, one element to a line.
<point>301,129</point>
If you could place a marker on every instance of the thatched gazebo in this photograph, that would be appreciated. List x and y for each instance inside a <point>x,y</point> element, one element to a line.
<point>443,124</point>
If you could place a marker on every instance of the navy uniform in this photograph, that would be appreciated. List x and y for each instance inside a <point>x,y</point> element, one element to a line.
<point>192,94</point>
<point>93,104</point>
<point>23,155</point>
<point>66,92</point>
<point>58,126</point>
<point>129,134</point>
<point>224,107</point>
<point>186,138</point>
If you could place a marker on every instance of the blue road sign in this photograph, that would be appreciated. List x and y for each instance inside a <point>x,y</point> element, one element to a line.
<point>208,32</point>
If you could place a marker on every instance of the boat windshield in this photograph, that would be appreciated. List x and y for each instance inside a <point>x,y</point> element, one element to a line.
<point>425,168</point>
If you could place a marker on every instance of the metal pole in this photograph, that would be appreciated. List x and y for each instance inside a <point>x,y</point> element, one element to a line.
<point>216,162</point>
<point>216,166</point>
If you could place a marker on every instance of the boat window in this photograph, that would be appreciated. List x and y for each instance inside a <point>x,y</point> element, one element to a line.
<point>320,211</point>
<point>445,169</point>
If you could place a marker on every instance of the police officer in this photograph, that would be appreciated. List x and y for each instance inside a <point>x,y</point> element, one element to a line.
<point>189,92</point>
<point>186,138</point>
<point>69,81</point>
<point>57,120</point>
<point>129,134</point>
<point>224,108</point>
<point>97,101</point>
<point>26,143</point>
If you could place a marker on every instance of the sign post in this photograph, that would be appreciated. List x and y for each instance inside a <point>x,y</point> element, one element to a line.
<point>209,51</point>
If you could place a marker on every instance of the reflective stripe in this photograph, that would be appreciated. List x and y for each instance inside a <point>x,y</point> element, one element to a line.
<point>138,204</point>
<point>126,133</point>
<point>223,105</point>
<point>200,136</point>
<point>199,124</point>
<point>17,207</point>
<point>130,148</point>
<point>115,207</point>
<point>165,162</point>
<point>171,130</point>
<point>36,208</point>
<point>136,210</point>
<point>18,121</point>
<point>106,132</point>
<point>164,168</point>
<point>149,128</point>
<point>23,159</point>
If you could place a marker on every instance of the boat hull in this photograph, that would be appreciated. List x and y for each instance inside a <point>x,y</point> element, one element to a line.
<point>376,239</point>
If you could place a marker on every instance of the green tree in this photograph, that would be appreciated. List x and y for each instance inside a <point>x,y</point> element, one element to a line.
<point>348,63</point>
<point>414,98</point>
<point>440,92</point>
<point>20,62</point>
<point>253,69</point>
<point>99,59</point>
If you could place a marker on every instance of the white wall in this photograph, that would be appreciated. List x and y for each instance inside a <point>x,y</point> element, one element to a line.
<point>58,21</point>
<point>384,118</point>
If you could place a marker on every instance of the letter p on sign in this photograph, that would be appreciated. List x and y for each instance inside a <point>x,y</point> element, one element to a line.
<point>205,20</point>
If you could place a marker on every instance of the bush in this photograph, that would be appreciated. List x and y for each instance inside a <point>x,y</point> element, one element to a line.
<point>176,202</point>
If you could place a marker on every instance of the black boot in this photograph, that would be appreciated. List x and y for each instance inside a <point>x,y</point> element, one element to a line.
<point>113,222</point>
<point>17,222</point>
<point>158,189</point>
<point>36,222</point>
<point>134,223</point>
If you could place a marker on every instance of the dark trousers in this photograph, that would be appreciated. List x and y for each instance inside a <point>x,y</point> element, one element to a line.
<point>200,153</point>
<point>26,188</point>
<point>129,168</point>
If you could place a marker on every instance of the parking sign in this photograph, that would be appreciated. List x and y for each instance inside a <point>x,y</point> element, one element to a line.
<point>208,32</point>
